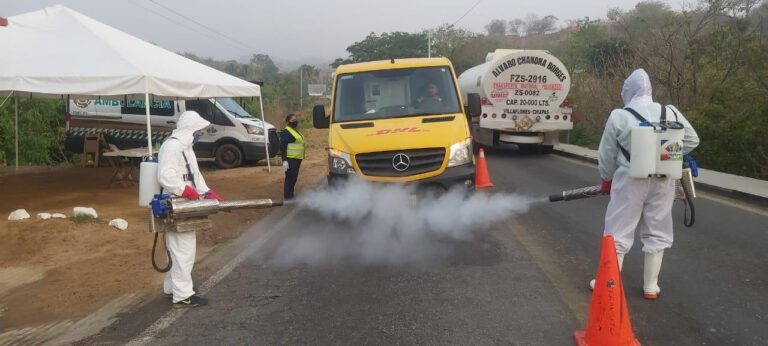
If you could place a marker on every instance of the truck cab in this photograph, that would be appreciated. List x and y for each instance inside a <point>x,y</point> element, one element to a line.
<point>399,121</point>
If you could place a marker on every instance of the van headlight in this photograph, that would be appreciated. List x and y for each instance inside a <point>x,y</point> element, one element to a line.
<point>254,130</point>
<point>340,162</point>
<point>461,153</point>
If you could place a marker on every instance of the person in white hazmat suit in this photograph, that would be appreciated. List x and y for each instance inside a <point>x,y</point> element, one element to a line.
<point>643,204</point>
<point>179,175</point>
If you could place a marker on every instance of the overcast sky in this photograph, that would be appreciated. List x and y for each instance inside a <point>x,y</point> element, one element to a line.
<point>306,30</point>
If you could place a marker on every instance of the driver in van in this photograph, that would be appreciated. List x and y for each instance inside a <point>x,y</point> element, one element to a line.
<point>431,94</point>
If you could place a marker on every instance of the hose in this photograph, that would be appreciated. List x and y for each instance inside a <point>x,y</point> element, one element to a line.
<point>167,252</point>
<point>688,220</point>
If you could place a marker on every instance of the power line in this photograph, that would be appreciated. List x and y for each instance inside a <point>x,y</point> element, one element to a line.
<point>466,13</point>
<point>134,2</point>
<point>243,45</point>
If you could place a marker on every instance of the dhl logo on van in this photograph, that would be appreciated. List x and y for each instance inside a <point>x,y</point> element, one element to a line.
<point>397,130</point>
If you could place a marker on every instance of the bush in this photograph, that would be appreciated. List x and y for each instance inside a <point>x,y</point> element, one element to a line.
<point>41,132</point>
<point>732,143</point>
<point>581,135</point>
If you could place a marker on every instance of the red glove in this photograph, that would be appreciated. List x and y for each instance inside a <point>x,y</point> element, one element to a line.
<point>213,195</point>
<point>605,187</point>
<point>190,193</point>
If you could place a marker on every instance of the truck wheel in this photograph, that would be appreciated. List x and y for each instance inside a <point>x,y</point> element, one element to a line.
<point>546,149</point>
<point>228,156</point>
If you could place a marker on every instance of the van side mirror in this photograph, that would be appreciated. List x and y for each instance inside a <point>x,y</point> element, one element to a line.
<point>319,120</point>
<point>473,105</point>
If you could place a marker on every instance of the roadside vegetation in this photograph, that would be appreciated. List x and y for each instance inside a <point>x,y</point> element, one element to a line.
<point>708,59</point>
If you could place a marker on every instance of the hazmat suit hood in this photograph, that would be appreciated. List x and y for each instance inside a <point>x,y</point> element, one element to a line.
<point>189,122</point>
<point>637,87</point>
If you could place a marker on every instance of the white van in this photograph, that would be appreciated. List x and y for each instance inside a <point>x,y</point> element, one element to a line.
<point>234,137</point>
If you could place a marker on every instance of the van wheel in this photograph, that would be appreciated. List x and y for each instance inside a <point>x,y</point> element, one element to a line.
<point>228,156</point>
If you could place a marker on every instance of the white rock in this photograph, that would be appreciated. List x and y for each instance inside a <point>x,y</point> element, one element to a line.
<point>43,216</point>
<point>58,216</point>
<point>119,224</point>
<point>83,211</point>
<point>17,215</point>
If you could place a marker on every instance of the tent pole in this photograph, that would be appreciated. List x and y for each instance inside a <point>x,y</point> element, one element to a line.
<point>266,134</point>
<point>149,125</point>
<point>16,111</point>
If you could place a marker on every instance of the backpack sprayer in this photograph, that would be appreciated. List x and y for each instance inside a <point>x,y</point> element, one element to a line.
<point>665,139</point>
<point>684,190</point>
<point>176,214</point>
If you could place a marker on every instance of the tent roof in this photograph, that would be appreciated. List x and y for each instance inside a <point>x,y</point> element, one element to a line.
<point>58,51</point>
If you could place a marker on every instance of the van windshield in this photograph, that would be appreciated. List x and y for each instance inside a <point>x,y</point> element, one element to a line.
<point>232,107</point>
<point>395,93</point>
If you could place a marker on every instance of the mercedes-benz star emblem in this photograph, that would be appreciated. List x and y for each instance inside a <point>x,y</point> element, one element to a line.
<point>401,162</point>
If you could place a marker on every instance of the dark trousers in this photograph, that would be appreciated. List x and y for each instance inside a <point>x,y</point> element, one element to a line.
<point>291,176</point>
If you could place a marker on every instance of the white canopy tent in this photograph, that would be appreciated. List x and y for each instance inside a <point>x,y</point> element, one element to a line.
<point>57,52</point>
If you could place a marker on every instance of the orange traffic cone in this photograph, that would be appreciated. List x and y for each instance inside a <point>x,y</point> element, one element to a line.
<point>482,179</point>
<point>608,322</point>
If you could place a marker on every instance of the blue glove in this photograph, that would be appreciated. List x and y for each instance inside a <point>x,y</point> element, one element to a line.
<point>690,162</point>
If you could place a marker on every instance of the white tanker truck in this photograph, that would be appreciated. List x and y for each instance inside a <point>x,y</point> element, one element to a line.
<point>523,96</point>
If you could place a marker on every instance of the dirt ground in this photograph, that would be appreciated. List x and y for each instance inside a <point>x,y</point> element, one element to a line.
<point>62,269</point>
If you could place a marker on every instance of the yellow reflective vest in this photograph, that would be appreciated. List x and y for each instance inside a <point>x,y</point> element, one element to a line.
<point>296,149</point>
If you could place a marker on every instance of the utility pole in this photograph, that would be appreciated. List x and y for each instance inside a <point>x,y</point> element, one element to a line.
<point>429,44</point>
<point>301,89</point>
<point>16,111</point>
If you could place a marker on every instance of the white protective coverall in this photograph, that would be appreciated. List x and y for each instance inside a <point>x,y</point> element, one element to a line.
<point>644,204</point>
<point>173,177</point>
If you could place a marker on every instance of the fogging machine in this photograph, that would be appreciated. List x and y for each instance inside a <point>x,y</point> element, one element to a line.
<point>175,214</point>
<point>171,214</point>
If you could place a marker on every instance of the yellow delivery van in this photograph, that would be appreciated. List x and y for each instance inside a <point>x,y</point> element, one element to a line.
<point>399,120</point>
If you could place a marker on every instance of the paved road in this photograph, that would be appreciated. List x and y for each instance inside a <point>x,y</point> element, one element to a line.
<point>522,282</point>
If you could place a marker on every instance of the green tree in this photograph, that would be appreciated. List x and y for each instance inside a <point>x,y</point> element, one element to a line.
<point>446,38</point>
<point>517,27</point>
<point>339,61</point>
<point>266,67</point>
<point>497,27</point>
<point>709,61</point>
<point>541,26</point>
<point>472,52</point>
<point>579,46</point>
<point>393,45</point>
<point>310,73</point>
<point>41,132</point>
<point>611,57</point>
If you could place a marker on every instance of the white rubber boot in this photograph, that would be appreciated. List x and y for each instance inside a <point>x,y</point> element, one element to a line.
<point>651,269</point>
<point>620,257</point>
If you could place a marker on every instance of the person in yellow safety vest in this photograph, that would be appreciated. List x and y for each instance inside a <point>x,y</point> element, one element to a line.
<point>292,151</point>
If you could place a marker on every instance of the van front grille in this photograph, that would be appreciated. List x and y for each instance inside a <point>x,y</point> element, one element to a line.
<point>408,162</point>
